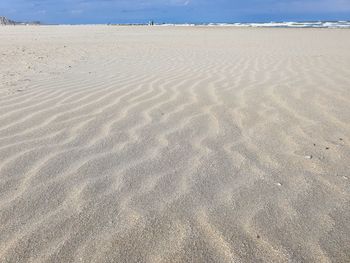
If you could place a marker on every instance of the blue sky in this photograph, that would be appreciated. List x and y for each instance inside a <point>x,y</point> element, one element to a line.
<point>173,11</point>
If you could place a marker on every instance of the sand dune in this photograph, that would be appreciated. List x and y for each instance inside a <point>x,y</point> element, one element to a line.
<point>165,144</point>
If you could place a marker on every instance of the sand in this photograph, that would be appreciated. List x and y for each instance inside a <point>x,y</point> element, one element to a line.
<point>174,144</point>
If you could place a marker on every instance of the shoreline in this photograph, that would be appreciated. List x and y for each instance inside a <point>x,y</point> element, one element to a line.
<point>301,24</point>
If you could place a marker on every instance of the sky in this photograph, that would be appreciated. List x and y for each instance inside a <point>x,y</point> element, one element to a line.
<point>173,11</point>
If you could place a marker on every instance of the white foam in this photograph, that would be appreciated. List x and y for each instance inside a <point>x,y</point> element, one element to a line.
<point>316,24</point>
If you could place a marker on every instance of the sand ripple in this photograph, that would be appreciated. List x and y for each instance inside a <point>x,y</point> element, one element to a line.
<point>174,145</point>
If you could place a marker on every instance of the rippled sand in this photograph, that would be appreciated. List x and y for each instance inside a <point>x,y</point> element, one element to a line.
<point>151,144</point>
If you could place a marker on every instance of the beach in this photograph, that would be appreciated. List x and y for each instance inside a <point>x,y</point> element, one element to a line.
<point>174,144</point>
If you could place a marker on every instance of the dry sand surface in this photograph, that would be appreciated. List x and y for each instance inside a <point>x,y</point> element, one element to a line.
<point>164,144</point>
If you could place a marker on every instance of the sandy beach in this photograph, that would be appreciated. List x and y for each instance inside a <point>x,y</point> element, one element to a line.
<point>174,144</point>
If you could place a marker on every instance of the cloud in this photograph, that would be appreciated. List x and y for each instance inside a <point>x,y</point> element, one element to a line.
<point>315,6</point>
<point>76,11</point>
